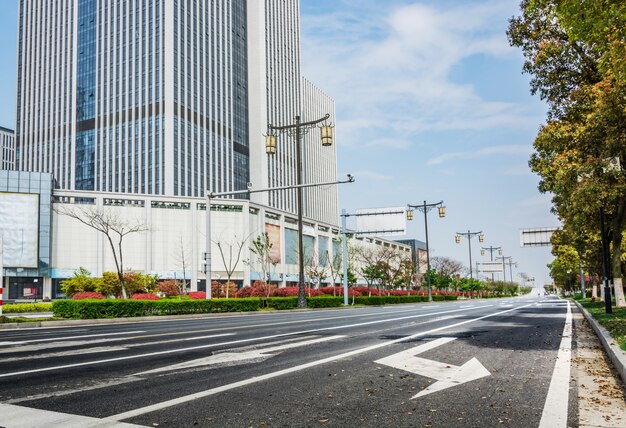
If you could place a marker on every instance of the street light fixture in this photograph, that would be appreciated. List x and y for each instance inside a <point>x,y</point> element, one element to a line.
<point>425,208</point>
<point>270,147</point>
<point>469,235</point>
<point>491,249</point>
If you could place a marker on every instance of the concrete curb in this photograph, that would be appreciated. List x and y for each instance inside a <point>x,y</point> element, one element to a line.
<point>612,348</point>
<point>133,320</point>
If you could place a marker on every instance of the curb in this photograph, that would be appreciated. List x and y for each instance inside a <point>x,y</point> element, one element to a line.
<point>613,350</point>
<point>156,318</point>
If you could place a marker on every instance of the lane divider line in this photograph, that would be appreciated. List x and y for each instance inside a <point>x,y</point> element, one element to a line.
<point>257,379</point>
<point>555,409</point>
<point>213,345</point>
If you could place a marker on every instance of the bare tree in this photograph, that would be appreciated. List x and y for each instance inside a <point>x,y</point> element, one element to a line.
<point>445,266</point>
<point>234,250</point>
<point>183,262</point>
<point>262,247</point>
<point>111,225</point>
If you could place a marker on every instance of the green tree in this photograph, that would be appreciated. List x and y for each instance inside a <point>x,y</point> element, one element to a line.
<point>575,56</point>
<point>80,282</point>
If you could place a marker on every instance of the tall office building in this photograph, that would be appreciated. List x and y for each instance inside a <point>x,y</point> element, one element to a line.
<point>138,96</point>
<point>7,148</point>
<point>168,97</point>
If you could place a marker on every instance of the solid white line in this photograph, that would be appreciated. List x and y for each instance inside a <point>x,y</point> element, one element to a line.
<point>26,417</point>
<point>61,339</point>
<point>193,348</point>
<point>256,379</point>
<point>555,409</point>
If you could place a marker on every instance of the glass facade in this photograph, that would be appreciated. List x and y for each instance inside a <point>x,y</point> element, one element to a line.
<point>33,183</point>
<point>86,95</point>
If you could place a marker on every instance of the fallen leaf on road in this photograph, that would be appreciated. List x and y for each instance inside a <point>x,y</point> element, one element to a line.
<point>323,421</point>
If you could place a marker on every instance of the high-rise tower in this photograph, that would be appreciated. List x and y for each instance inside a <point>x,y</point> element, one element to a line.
<point>139,96</point>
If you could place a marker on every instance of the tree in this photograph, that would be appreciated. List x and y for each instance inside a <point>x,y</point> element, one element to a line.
<point>261,247</point>
<point>445,266</point>
<point>112,226</point>
<point>575,51</point>
<point>81,282</point>
<point>230,264</point>
<point>183,263</point>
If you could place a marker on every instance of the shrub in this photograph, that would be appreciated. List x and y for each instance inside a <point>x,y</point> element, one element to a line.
<point>91,309</point>
<point>145,296</point>
<point>324,302</point>
<point>281,302</point>
<point>88,295</point>
<point>110,285</point>
<point>80,282</point>
<point>18,308</point>
<point>197,295</point>
<point>169,288</point>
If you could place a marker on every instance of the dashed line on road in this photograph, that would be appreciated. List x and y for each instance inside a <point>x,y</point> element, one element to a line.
<point>213,345</point>
<point>256,379</point>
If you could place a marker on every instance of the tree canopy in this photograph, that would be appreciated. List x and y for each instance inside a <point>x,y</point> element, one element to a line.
<point>575,52</point>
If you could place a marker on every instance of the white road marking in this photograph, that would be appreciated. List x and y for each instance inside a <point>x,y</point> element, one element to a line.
<point>82,351</point>
<point>256,379</point>
<point>39,347</point>
<point>555,409</point>
<point>26,417</point>
<point>61,339</point>
<point>193,348</point>
<point>447,375</point>
<point>233,358</point>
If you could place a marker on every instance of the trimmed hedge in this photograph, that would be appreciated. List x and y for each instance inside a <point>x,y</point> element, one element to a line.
<point>90,309</point>
<point>110,308</point>
<point>19,308</point>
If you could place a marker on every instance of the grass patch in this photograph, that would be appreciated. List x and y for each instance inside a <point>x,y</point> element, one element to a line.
<point>17,320</point>
<point>615,323</point>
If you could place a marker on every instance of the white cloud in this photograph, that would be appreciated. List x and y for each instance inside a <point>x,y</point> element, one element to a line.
<point>391,73</point>
<point>484,152</point>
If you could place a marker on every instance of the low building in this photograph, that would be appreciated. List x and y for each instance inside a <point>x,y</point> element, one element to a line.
<point>52,245</point>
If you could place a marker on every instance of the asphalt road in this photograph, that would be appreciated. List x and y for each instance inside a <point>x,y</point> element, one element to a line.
<point>450,364</point>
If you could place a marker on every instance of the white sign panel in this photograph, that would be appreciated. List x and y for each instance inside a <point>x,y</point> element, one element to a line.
<point>19,226</point>
<point>381,221</point>
<point>538,237</point>
<point>491,267</point>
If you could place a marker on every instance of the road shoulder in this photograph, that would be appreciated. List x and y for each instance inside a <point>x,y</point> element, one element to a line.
<point>601,395</point>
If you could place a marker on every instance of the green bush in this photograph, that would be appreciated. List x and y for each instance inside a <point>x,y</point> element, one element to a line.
<point>325,302</point>
<point>91,309</point>
<point>280,302</point>
<point>390,300</point>
<point>19,308</point>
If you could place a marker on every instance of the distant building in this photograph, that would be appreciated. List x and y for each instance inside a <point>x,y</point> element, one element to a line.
<point>7,148</point>
<point>418,254</point>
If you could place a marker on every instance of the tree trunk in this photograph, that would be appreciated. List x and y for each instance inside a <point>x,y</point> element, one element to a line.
<point>616,256</point>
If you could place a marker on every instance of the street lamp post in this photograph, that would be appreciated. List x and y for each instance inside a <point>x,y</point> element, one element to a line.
<point>605,264</point>
<point>469,235</point>
<point>491,250</point>
<point>425,208</point>
<point>270,147</point>
<point>503,258</point>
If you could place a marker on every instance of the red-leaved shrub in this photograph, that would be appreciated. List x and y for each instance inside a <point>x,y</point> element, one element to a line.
<point>169,288</point>
<point>88,295</point>
<point>144,296</point>
<point>197,295</point>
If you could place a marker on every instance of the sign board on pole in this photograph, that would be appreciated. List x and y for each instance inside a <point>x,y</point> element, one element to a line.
<point>381,221</point>
<point>537,237</point>
<point>491,267</point>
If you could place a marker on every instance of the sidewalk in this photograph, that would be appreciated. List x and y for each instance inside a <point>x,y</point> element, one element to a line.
<point>601,395</point>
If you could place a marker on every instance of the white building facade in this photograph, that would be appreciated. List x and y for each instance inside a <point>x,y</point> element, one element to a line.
<point>172,246</point>
<point>7,148</point>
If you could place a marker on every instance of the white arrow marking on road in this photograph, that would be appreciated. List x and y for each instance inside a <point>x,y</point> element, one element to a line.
<point>232,358</point>
<point>446,375</point>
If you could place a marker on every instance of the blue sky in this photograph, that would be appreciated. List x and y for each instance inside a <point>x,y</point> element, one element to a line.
<point>431,104</point>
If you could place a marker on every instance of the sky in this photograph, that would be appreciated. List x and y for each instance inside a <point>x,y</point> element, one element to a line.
<point>431,105</point>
